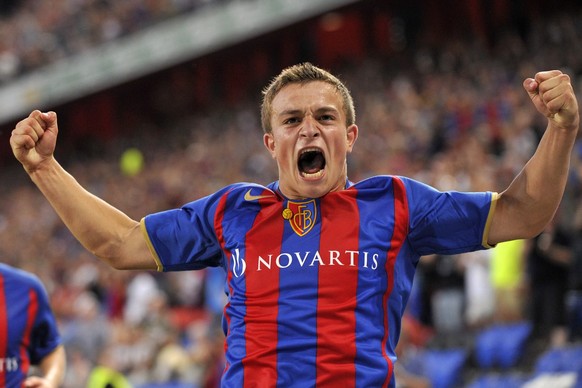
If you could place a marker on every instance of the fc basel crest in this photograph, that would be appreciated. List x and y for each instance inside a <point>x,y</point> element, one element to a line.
<point>301,216</point>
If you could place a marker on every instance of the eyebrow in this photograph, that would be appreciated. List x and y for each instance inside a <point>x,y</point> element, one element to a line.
<point>293,112</point>
<point>290,112</point>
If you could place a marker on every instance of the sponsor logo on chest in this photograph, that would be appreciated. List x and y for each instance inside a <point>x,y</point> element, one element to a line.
<point>300,260</point>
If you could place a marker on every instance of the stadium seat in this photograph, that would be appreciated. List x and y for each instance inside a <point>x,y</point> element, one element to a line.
<point>501,345</point>
<point>559,360</point>
<point>444,367</point>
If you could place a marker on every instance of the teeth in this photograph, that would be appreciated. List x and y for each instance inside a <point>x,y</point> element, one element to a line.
<point>314,175</point>
<point>313,149</point>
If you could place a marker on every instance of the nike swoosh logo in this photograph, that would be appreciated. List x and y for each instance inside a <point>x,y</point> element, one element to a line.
<point>250,197</point>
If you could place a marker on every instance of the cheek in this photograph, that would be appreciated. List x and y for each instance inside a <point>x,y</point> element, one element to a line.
<point>283,154</point>
<point>282,149</point>
<point>341,147</point>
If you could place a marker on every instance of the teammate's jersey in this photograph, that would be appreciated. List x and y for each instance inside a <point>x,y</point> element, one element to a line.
<point>28,330</point>
<point>317,287</point>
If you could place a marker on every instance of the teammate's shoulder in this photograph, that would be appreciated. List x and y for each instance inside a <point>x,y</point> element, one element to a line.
<point>18,274</point>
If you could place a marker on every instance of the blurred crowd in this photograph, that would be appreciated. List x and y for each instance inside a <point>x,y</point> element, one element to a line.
<point>36,33</point>
<point>456,118</point>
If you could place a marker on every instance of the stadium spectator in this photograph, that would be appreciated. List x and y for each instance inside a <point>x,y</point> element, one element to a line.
<point>34,34</point>
<point>549,260</point>
<point>508,278</point>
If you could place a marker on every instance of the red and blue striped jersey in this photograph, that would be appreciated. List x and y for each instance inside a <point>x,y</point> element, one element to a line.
<point>28,329</point>
<point>317,287</point>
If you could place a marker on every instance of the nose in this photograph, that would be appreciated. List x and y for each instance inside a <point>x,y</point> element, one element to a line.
<point>310,127</point>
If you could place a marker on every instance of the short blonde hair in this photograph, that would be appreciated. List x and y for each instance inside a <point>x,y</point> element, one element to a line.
<point>301,74</point>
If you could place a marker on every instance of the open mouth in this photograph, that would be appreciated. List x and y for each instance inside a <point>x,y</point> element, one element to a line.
<point>311,163</point>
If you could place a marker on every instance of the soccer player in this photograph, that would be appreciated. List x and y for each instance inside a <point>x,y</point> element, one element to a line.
<point>28,332</point>
<point>318,268</point>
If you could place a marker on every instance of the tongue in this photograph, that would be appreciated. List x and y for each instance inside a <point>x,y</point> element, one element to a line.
<point>312,163</point>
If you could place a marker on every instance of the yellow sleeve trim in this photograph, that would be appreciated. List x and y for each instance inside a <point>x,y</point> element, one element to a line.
<point>494,198</point>
<point>159,266</point>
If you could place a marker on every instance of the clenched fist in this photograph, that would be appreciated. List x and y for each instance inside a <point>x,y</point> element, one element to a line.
<point>34,139</point>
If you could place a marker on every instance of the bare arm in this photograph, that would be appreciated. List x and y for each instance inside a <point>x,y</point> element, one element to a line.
<point>102,229</point>
<point>531,200</point>
<point>53,371</point>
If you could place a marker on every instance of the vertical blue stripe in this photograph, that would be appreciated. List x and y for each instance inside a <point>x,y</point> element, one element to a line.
<point>297,308</point>
<point>236,225</point>
<point>376,229</point>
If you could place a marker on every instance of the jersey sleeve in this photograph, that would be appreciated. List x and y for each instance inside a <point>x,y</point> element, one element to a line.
<point>45,337</point>
<point>449,222</point>
<point>185,238</point>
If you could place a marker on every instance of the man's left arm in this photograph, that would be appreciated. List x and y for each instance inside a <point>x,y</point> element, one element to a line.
<point>531,200</point>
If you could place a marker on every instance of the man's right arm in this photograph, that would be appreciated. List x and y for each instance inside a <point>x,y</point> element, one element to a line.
<point>52,368</point>
<point>101,228</point>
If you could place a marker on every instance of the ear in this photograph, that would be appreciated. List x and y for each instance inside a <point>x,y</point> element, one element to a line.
<point>352,136</point>
<point>269,142</point>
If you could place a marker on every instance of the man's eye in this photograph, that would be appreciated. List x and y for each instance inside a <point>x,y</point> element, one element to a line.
<point>326,118</point>
<point>292,120</point>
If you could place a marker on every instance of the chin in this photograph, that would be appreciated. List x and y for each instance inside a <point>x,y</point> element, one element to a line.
<point>314,189</point>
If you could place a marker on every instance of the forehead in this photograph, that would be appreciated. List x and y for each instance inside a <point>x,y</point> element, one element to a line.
<point>312,95</point>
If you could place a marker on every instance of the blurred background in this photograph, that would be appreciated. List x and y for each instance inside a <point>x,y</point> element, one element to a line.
<point>158,104</point>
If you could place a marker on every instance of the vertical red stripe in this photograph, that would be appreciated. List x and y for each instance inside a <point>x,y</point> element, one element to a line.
<point>31,312</point>
<point>3,331</point>
<point>262,291</point>
<point>398,236</point>
<point>337,284</point>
